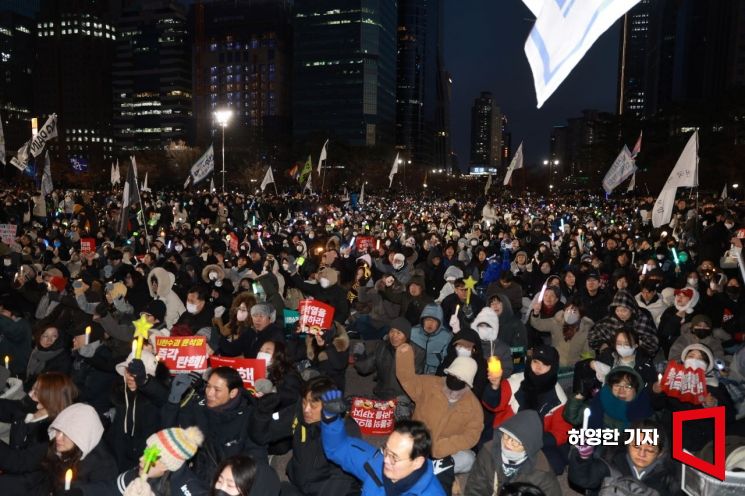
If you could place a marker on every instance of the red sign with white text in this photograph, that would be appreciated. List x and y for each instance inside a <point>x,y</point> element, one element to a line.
<point>182,354</point>
<point>250,369</point>
<point>87,245</point>
<point>315,316</point>
<point>375,417</point>
<point>687,385</point>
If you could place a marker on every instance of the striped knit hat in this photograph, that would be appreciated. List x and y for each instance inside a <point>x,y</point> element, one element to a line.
<point>176,445</point>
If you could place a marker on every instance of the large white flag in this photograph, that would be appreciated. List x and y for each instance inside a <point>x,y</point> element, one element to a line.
<point>488,184</point>
<point>684,175</point>
<point>632,183</point>
<point>117,173</point>
<point>362,195</point>
<point>131,194</point>
<point>203,166</point>
<point>308,185</point>
<point>46,179</point>
<point>323,156</point>
<point>394,170</point>
<point>268,178</point>
<point>515,163</point>
<point>563,32</point>
<point>2,142</point>
<point>20,161</point>
<point>724,193</point>
<point>144,184</point>
<point>621,169</point>
<point>47,132</point>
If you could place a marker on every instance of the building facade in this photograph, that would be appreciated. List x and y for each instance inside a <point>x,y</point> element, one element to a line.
<point>486,131</point>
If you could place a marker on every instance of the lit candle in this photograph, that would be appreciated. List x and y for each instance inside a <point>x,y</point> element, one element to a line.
<point>457,309</point>
<point>659,378</point>
<point>585,419</point>
<point>494,366</point>
<point>7,362</point>
<point>68,479</point>
<point>134,347</point>
<point>644,270</point>
<point>377,245</point>
<point>88,335</point>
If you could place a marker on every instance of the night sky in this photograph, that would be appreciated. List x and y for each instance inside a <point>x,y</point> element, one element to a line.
<point>484,52</point>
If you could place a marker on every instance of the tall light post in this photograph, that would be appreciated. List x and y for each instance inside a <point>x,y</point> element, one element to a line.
<point>551,172</point>
<point>222,117</point>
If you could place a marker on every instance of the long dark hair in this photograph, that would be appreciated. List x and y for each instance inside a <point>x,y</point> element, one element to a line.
<point>55,465</point>
<point>244,474</point>
<point>280,366</point>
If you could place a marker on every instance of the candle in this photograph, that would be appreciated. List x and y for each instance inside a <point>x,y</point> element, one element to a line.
<point>7,362</point>
<point>494,366</point>
<point>88,335</point>
<point>585,418</point>
<point>377,245</point>
<point>134,347</point>
<point>659,378</point>
<point>68,479</point>
<point>644,270</point>
<point>457,309</point>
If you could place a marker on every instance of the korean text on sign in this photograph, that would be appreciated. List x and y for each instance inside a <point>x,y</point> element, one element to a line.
<point>374,417</point>
<point>182,354</point>
<point>315,316</point>
<point>250,369</point>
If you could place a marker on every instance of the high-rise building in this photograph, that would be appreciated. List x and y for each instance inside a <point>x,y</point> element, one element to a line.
<point>152,76</point>
<point>486,131</point>
<point>585,147</point>
<point>411,75</point>
<point>72,77</point>
<point>632,65</point>
<point>17,42</point>
<point>242,61</point>
<point>344,77</point>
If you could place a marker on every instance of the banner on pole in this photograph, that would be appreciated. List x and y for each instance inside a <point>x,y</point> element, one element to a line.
<point>202,167</point>
<point>47,132</point>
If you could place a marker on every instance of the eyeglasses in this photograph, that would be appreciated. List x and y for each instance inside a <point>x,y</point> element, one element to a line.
<point>390,455</point>
<point>620,385</point>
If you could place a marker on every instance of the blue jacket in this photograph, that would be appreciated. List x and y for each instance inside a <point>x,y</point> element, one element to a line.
<point>435,344</point>
<point>365,462</point>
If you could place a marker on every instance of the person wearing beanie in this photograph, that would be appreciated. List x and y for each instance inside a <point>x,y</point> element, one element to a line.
<point>55,290</point>
<point>327,291</point>
<point>399,266</point>
<point>514,455</point>
<point>137,407</point>
<point>383,361</point>
<point>537,388</point>
<point>168,475</point>
<point>698,331</point>
<point>448,407</point>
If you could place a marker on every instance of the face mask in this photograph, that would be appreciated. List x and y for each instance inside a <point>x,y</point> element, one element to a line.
<point>624,351</point>
<point>692,281</point>
<point>701,333</point>
<point>7,262</point>
<point>485,243</point>
<point>191,308</point>
<point>241,315</point>
<point>267,357</point>
<point>299,248</point>
<point>462,351</point>
<point>732,291</point>
<point>571,317</point>
<point>660,257</point>
<point>453,383</point>
<point>311,236</point>
<point>398,266</point>
<point>212,276</point>
<point>486,332</point>
<point>474,242</point>
<point>511,456</point>
<point>729,225</point>
<point>695,364</point>
<point>325,283</point>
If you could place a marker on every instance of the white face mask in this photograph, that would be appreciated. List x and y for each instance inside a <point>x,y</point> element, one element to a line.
<point>267,357</point>
<point>191,308</point>
<point>729,225</point>
<point>462,351</point>
<point>486,332</point>
<point>485,243</point>
<point>325,283</point>
<point>625,351</point>
<point>241,315</point>
<point>695,364</point>
<point>571,317</point>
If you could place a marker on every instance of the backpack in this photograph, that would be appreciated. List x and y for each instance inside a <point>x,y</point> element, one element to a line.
<point>623,485</point>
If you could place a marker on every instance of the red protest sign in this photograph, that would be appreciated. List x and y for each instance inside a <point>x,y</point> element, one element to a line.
<point>315,316</point>
<point>687,385</point>
<point>364,243</point>
<point>87,245</point>
<point>250,369</point>
<point>375,417</point>
<point>183,353</point>
<point>233,242</point>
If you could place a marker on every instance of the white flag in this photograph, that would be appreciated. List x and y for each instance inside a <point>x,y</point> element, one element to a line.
<point>362,195</point>
<point>46,179</point>
<point>621,169</point>
<point>2,142</point>
<point>724,193</point>
<point>130,194</point>
<point>488,184</point>
<point>562,34</point>
<point>515,163</point>
<point>322,158</point>
<point>111,174</point>
<point>632,183</point>
<point>684,174</point>
<point>186,183</point>
<point>117,173</point>
<point>308,185</point>
<point>47,132</point>
<point>20,161</point>
<point>394,170</point>
<point>212,185</point>
<point>268,178</point>
<point>203,166</point>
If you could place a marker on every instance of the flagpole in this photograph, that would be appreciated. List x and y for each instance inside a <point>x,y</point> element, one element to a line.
<point>142,208</point>
<point>323,179</point>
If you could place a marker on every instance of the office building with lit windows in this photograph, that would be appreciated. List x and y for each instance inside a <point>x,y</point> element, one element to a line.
<point>151,77</point>
<point>486,131</point>
<point>72,77</point>
<point>344,78</point>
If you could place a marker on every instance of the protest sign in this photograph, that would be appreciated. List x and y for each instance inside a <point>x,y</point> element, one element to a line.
<point>87,245</point>
<point>315,316</point>
<point>375,417</point>
<point>182,354</point>
<point>8,233</point>
<point>250,369</point>
<point>687,385</point>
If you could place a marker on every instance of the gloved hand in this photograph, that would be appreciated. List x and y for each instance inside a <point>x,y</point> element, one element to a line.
<point>137,370</point>
<point>268,403</point>
<point>178,387</point>
<point>333,404</point>
<point>455,324</point>
<point>358,349</point>
<point>585,452</point>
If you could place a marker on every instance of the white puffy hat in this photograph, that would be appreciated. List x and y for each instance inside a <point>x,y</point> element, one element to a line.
<point>464,368</point>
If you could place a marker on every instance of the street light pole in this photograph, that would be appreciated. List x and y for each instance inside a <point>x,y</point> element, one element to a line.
<point>222,117</point>
<point>223,159</point>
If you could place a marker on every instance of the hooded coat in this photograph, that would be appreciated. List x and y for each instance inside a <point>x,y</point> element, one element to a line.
<point>512,331</point>
<point>605,329</point>
<point>491,342</point>
<point>331,359</point>
<point>174,306</point>
<point>271,288</point>
<point>487,476</point>
<point>687,338</point>
<point>383,363</point>
<point>434,344</point>
<point>571,351</point>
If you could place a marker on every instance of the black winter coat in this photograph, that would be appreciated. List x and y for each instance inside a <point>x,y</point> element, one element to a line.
<point>250,341</point>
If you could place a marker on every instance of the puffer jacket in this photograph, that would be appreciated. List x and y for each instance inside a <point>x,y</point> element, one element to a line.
<point>604,331</point>
<point>383,363</point>
<point>434,344</point>
<point>174,306</point>
<point>571,351</point>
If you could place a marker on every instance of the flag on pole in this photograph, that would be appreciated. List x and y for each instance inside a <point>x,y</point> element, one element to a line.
<point>621,169</point>
<point>632,183</point>
<point>111,174</point>
<point>117,174</point>
<point>2,142</point>
<point>684,175</point>
<point>488,185</point>
<point>186,183</point>
<point>204,166</point>
<point>515,163</point>
<point>362,195</point>
<point>562,34</point>
<point>144,184</point>
<point>637,146</point>
<point>307,169</point>
<point>20,161</point>
<point>131,194</point>
<point>212,185</point>
<point>308,185</point>
<point>322,158</point>
<point>724,193</point>
<point>394,171</point>
<point>46,179</point>
<point>47,132</point>
<point>268,178</point>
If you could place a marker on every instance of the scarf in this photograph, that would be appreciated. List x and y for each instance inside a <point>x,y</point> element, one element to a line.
<point>39,358</point>
<point>534,388</point>
<point>404,485</point>
<point>614,407</point>
<point>569,331</point>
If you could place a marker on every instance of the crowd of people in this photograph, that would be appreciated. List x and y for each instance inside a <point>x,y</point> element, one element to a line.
<point>497,326</point>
